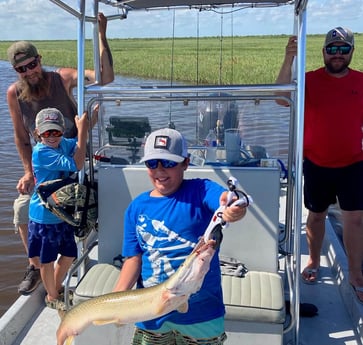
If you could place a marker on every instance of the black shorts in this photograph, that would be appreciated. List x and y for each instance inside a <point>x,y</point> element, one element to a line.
<point>323,186</point>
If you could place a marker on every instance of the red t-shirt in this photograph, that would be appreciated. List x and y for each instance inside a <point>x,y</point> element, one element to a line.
<point>333,118</point>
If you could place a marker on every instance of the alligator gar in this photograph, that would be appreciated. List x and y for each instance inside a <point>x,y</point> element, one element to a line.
<point>124,307</point>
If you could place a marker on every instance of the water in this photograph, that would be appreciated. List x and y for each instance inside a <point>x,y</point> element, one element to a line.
<point>12,260</point>
<point>261,123</point>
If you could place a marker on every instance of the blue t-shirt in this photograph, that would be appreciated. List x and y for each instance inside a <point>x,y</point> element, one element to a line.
<point>165,230</point>
<point>50,164</point>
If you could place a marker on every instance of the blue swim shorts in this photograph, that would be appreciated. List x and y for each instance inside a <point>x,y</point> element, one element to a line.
<point>48,240</point>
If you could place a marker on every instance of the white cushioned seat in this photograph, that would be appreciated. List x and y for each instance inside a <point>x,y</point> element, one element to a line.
<point>256,297</point>
<point>99,280</point>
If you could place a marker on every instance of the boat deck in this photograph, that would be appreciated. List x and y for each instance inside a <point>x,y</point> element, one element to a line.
<point>333,325</point>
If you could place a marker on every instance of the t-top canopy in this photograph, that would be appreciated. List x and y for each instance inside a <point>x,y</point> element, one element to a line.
<point>149,4</point>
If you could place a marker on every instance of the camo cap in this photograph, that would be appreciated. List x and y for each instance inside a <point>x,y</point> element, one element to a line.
<point>20,51</point>
<point>48,119</point>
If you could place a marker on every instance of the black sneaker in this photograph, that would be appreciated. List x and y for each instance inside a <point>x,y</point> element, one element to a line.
<point>30,282</point>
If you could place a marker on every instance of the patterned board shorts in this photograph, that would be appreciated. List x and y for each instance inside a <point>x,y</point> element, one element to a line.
<point>176,336</point>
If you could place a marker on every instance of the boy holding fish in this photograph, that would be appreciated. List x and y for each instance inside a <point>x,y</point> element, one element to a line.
<point>161,228</point>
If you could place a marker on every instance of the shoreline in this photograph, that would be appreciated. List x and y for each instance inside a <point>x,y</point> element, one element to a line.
<point>253,59</point>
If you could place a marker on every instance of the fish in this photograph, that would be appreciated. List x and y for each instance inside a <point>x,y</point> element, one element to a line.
<point>173,294</point>
<point>124,307</point>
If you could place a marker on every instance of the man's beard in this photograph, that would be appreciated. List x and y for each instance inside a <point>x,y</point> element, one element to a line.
<point>336,70</point>
<point>34,92</point>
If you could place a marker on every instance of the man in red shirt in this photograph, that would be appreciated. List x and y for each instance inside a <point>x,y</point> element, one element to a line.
<point>333,156</point>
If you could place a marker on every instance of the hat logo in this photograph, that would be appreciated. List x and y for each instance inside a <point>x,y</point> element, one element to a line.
<point>51,117</point>
<point>161,142</point>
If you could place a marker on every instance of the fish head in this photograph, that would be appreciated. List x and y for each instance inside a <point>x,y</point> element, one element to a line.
<point>189,277</point>
<point>216,235</point>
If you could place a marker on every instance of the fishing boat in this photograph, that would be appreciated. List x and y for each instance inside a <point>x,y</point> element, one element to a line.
<point>267,305</point>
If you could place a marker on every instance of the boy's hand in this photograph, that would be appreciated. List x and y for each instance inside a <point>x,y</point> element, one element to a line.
<point>232,213</point>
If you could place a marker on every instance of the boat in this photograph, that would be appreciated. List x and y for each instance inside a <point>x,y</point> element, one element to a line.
<point>269,305</point>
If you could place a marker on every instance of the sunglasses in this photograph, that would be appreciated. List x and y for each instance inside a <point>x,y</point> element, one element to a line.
<point>332,50</point>
<point>165,163</point>
<point>52,132</point>
<point>31,65</point>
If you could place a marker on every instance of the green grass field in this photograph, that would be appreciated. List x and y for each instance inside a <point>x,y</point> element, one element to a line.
<point>237,60</point>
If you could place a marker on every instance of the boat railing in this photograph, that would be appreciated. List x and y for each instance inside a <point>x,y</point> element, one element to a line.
<point>191,93</point>
<point>117,96</point>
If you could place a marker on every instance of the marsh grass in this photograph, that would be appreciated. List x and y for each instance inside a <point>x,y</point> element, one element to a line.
<point>208,60</point>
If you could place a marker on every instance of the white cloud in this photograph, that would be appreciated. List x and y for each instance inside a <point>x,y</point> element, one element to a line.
<point>40,19</point>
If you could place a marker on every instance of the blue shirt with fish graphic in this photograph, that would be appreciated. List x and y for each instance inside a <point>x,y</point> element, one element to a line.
<point>165,230</point>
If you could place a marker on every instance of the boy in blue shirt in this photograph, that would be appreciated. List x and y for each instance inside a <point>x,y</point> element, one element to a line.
<point>161,228</point>
<point>54,157</point>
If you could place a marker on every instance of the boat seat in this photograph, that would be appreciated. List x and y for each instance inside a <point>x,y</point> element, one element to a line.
<point>127,131</point>
<point>256,297</point>
<point>99,280</point>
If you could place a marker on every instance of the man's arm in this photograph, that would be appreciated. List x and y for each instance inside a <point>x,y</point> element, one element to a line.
<point>107,74</point>
<point>285,73</point>
<point>22,141</point>
<point>106,61</point>
<point>70,75</point>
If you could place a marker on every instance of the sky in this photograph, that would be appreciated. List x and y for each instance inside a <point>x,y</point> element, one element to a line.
<point>43,20</point>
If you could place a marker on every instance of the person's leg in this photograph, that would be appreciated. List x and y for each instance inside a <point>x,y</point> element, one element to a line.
<point>315,231</point>
<point>353,242</point>
<point>32,275</point>
<point>44,238</point>
<point>21,218</point>
<point>47,273</point>
<point>23,233</point>
<point>61,268</point>
<point>52,298</point>
<point>351,203</point>
<point>68,252</point>
<point>319,193</point>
